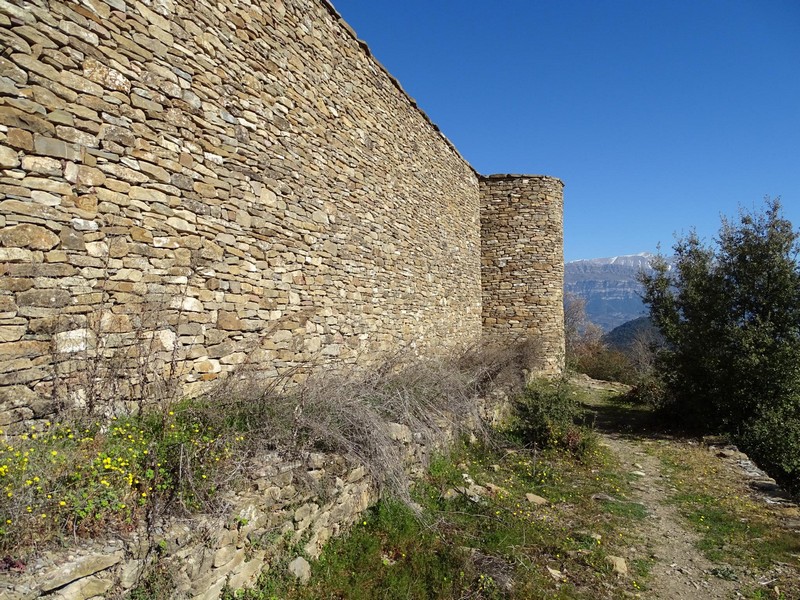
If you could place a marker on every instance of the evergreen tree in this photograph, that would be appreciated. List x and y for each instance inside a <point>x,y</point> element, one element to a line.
<point>731,317</point>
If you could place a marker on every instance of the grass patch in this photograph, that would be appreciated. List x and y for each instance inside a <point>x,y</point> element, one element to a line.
<point>626,510</point>
<point>478,535</point>
<point>735,528</point>
<point>61,480</point>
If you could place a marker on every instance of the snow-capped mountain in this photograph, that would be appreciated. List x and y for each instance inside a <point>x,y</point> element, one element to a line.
<point>638,261</point>
<point>609,286</point>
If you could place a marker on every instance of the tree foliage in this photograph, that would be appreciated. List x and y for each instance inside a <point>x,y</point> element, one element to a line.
<point>585,350</point>
<point>730,314</point>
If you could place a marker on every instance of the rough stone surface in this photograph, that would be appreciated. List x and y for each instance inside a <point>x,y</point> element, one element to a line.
<point>522,263</point>
<point>79,569</point>
<point>84,589</point>
<point>618,565</point>
<point>260,180</point>
<point>300,568</point>
<point>28,236</point>
<point>537,500</point>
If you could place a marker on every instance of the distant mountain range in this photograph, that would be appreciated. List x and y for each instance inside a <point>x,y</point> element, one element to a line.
<point>625,336</point>
<point>609,286</point>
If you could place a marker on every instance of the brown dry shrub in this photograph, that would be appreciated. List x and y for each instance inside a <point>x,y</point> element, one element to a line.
<point>347,410</point>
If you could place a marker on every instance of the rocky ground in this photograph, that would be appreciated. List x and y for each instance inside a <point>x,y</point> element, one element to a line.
<point>673,477</point>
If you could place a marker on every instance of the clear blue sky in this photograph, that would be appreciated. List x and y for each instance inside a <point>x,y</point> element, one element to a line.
<point>659,115</point>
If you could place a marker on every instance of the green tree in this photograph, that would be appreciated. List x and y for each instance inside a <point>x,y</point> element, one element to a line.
<point>730,314</point>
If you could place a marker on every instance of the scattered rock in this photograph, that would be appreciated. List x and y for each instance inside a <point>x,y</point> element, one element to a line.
<point>497,490</point>
<point>400,432</point>
<point>537,500</point>
<point>601,497</point>
<point>618,565</point>
<point>300,568</point>
<point>556,574</point>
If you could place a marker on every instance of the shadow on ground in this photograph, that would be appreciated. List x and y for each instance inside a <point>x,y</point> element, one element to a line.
<point>608,411</point>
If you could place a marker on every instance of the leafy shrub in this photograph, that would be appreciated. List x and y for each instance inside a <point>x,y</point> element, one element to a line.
<point>548,415</point>
<point>607,365</point>
<point>772,439</point>
<point>730,314</point>
<point>649,390</point>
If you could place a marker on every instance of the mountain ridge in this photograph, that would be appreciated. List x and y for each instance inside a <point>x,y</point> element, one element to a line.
<point>610,287</point>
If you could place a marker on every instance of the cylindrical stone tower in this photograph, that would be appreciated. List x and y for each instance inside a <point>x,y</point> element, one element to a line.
<point>522,263</point>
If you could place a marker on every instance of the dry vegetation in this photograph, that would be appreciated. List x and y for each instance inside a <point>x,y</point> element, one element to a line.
<point>114,465</point>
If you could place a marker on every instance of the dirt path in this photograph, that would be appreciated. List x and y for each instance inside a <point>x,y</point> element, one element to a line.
<point>680,570</point>
<point>747,497</point>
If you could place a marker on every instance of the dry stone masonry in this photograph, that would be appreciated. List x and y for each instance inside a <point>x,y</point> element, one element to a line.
<point>190,186</point>
<point>522,261</point>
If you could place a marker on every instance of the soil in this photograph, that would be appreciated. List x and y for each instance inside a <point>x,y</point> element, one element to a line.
<point>679,570</point>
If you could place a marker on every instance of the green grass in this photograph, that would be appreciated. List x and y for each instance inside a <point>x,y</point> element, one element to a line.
<point>499,547</point>
<point>736,530</point>
<point>626,510</point>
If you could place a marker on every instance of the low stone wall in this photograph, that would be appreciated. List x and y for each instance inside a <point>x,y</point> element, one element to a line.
<point>285,507</point>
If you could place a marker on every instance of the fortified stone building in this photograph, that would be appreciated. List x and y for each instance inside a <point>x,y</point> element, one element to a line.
<point>207,184</point>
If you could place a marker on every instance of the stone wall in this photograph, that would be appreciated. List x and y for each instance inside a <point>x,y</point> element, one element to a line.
<point>212,183</point>
<point>187,187</point>
<point>191,187</point>
<point>522,262</point>
<point>288,512</point>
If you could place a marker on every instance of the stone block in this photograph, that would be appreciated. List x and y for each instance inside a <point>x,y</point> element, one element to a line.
<point>79,568</point>
<point>22,349</point>
<point>19,138</point>
<point>84,225</point>
<point>300,568</point>
<point>130,573</point>
<point>84,589</point>
<point>72,239</point>
<point>28,236</point>
<point>42,165</point>
<point>8,158</point>
<point>54,147</point>
<point>192,305</point>
<point>77,340</point>
<point>14,415</point>
<point>107,77</point>
<point>49,298</point>
<point>224,555</point>
<point>247,573</point>
<point>15,255</point>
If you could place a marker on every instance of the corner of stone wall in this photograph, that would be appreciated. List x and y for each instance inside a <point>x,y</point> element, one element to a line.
<point>522,264</point>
